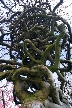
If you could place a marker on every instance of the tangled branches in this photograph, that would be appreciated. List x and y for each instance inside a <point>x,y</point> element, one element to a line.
<point>37,36</point>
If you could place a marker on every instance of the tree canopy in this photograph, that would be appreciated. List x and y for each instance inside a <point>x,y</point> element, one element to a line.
<point>31,38</point>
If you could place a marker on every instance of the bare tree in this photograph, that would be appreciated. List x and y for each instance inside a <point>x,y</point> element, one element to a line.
<point>32,37</point>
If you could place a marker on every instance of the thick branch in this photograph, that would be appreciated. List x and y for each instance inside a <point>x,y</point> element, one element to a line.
<point>61,1</point>
<point>10,62</point>
<point>6,67</point>
<point>34,48</point>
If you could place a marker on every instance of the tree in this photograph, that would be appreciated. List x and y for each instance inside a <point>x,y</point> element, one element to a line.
<point>33,37</point>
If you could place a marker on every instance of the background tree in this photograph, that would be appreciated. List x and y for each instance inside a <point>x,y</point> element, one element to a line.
<point>35,36</point>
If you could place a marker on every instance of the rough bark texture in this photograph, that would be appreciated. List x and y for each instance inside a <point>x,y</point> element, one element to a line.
<point>44,104</point>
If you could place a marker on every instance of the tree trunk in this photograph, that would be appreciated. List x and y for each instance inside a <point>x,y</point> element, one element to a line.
<point>44,104</point>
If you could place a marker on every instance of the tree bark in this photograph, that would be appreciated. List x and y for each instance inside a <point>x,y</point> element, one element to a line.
<point>44,104</point>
